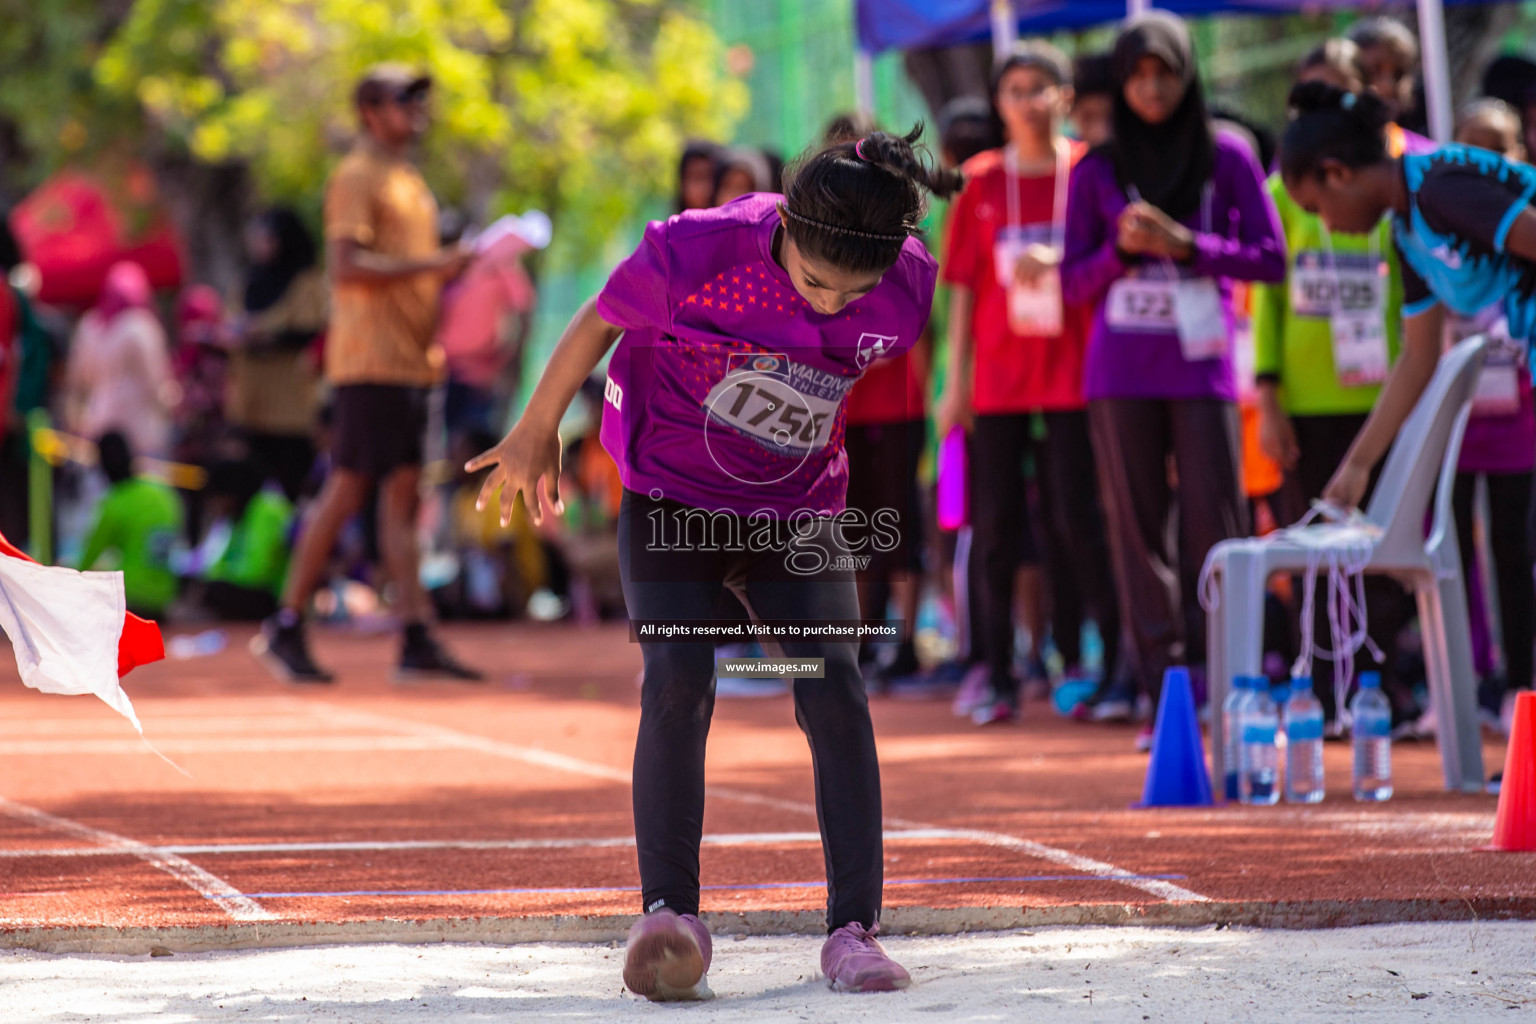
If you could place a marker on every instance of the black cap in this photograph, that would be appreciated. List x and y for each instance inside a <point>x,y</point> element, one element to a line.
<point>384,82</point>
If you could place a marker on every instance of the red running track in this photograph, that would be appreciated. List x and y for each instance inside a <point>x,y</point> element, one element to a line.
<point>372,810</point>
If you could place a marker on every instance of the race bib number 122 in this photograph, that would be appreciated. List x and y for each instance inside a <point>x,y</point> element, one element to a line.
<point>1139,304</point>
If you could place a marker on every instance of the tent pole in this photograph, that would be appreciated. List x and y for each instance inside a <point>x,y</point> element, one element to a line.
<point>1005,30</point>
<point>1437,69</point>
<point>1136,8</point>
<point>864,80</point>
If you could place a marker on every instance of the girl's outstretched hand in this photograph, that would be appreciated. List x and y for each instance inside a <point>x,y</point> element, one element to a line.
<point>526,460</point>
<point>1348,485</point>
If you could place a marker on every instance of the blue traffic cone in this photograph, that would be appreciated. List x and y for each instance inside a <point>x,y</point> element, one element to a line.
<point>1176,775</point>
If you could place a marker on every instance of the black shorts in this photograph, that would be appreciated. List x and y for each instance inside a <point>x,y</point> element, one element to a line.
<point>377,428</point>
<point>883,460</point>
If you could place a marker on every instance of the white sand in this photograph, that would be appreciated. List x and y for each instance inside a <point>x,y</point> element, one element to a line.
<point>1393,973</point>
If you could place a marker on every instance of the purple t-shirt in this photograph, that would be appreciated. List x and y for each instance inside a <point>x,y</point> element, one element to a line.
<point>726,391</point>
<point>1502,443</point>
<point>1500,438</point>
<point>1237,237</point>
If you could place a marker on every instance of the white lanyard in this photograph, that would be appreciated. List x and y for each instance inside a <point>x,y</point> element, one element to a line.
<point>1058,198</point>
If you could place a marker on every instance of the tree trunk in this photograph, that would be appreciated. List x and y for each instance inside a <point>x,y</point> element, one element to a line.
<point>210,205</point>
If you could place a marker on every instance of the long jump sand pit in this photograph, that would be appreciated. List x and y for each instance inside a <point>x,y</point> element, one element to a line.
<point>1445,971</point>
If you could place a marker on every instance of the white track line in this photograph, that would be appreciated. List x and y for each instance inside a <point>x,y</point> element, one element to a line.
<point>723,839</point>
<point>549,759</point>
<point>31,728</point>
<point>211,887</point>
<point>1157,887</point>
<point>229,745</point>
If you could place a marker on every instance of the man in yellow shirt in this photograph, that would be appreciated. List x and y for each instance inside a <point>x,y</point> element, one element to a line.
<point>386,270</point>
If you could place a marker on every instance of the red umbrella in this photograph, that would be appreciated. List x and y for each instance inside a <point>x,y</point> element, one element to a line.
<point>74,226</point>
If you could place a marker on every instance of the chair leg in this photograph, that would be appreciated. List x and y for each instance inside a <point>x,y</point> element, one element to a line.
<point>1217,679</point>
<point>1235,636</point>
<point>1452,680</point>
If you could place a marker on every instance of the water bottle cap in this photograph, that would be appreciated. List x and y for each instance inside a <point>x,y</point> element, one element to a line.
<point>1370,680</point>
<point>1281,692</point>
<point>1301,682</point>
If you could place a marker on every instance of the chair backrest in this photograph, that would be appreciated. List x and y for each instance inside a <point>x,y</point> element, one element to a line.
<point>1425,453</point>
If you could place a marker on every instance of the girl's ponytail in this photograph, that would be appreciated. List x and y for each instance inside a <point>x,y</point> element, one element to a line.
<point>853,204</point>
<point>1329,123</point>
<point>897,153</point>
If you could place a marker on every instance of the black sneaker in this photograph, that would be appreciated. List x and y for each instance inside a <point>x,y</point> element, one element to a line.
<point>904,668</point>
<point>1490,701</point>
<point>283,650</point>
<point>426,659</point>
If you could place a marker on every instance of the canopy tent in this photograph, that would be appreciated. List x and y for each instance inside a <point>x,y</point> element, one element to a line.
<point>919,24</point>
<point>75,226</point>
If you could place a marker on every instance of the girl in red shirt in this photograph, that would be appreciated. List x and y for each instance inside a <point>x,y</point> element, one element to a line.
<point>1016,350</point>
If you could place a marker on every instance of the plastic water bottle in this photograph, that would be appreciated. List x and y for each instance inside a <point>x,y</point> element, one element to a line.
<point>1279,693</point>
<point>1372,733</point>
<point>1259,779</point>
<point>1232,729</point>
<point>1303,744</point>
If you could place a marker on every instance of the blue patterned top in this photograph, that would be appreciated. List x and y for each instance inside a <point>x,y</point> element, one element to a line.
<point>1462,204</point>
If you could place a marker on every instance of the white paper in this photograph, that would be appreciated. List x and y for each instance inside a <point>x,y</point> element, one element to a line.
<point>64,628</point>
<point>1034,309</point>
<point>1201,323</point>
<point>1142,305</point>
<point>1359,346</point>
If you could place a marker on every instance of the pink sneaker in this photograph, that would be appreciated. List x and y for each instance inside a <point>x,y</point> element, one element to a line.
<point>996,711</point>
<point>973,691</point>
<point>854,962</point>
<point>668,957</point>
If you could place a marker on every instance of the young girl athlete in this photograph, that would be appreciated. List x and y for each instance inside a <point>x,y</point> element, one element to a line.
<point>1315,388</point>
<point>744,327</point>
<point>1462,224</point>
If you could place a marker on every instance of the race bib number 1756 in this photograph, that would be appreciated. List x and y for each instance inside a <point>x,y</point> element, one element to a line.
<point>763,405</point>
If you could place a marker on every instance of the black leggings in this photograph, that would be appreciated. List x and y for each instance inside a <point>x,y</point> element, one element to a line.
<point>663,581</point>
<point>1160,536</point>
<point>1077,552</point>
<point>1509,523</point>
<point>883,462</point>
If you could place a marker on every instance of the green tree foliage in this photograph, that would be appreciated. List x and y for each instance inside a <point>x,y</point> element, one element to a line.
<point>50,101</point>
<point>578,107</point>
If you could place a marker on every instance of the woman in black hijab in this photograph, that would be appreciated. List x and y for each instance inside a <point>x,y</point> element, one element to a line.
<point>1161,221</point>
<point>272,394</point>
<point>1162,144</point>
<point>281,249</point>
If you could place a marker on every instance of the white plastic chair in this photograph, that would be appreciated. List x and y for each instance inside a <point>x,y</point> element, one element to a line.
<point>1423,457</point>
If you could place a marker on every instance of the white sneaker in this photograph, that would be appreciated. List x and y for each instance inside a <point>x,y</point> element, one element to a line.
<point>1426,726</point>
<point>1114,709</point>
<point>1507,713</point>
<point>973,691</point>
